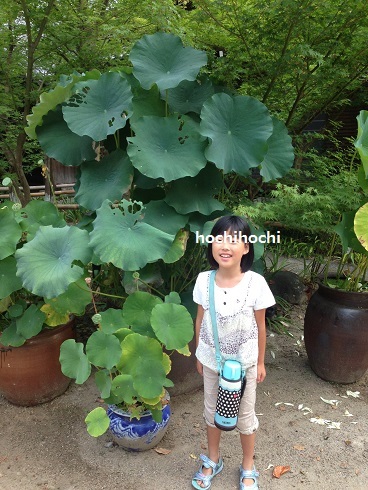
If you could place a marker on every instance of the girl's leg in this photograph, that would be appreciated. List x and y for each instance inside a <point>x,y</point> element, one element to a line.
<point>248,443</point>
<point>248,423</point>
<point>210,380</point>
<point>213,439</point>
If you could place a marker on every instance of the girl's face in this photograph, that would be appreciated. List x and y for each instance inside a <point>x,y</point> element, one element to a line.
<point>228,250</point>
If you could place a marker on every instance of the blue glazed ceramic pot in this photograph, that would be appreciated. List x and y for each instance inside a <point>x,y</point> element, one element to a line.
<point>137,435</point>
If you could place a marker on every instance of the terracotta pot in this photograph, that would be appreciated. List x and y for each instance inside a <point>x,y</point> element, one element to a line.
<point>31,374</point>
<point>336,334</point>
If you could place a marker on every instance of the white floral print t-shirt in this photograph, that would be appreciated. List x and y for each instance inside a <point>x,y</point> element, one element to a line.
<point>236,323</point>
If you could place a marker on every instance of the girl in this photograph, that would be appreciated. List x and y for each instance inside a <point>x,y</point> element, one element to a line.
<point>241,299</point>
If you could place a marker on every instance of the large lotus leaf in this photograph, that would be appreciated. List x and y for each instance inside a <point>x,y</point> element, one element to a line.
<point>31,322</point>
<point>138,308</point>
<point>168,147</point>
<point>345,229</point>
<point>122,388</point>
<point>280,155</point>
<point>361,225</point>
<point>361,143</point>
<point>10,337</point>
<point>178,247</point>
<point>112,176</point>
<point>189,96</point>
<point>100,107</point>
<point>132,243</point>
<point>143,359</point>
<point>162,59</point>
<point>238,129</point>
<point>173,325</point>
<point>50,100</point>
<point>112,320</point>
<point>97,422</point>
<point>74,362</point>
<point>59,142</point>
<point>103,350</point>
<point>164,217</point>
<point>103,382</point>
<point>53,317</point>
<point>192,194</point>
<point>46,263</point>
<point>74,300</point>
<point>9,282</point>
<point>147,103</point>
<point>10,234</point>
<point>40,213</point>
<point>173,297</point>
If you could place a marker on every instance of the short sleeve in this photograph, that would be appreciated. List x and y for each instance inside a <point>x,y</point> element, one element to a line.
<point>200,289</point>
<point>264,296</point>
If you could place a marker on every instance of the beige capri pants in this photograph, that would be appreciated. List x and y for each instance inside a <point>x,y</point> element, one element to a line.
<point>247,419</point>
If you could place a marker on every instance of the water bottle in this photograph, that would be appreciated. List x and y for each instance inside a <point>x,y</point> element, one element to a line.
<point>229,395</point>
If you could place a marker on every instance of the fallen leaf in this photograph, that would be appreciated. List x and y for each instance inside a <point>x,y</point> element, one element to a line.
<point>334,425</point>
<point>162,450</point>
<point>354,394</point>
<point>348,414</point>
<point>298,447</point>
<point>318,420</point>
<point>334,403</point>
<point>280,470</point>
<point>306,410</point>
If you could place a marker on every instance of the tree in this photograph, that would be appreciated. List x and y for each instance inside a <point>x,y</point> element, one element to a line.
<point>40,40</point>
<point>300,57</point>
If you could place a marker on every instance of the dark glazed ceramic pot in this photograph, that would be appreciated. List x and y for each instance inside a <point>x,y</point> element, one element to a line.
<point>336,334</point>
<point>31,374</point>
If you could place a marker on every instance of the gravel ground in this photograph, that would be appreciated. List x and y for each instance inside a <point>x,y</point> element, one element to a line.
<point>47,447</point>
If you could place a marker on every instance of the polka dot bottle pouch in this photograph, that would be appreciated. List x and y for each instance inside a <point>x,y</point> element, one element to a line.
<point>232,378</point>
<point>231,388</point>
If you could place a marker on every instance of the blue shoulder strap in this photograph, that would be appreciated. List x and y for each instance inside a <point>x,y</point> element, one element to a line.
<point>214,320</point>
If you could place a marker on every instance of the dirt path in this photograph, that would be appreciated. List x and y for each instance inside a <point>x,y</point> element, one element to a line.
<point>47,447</point>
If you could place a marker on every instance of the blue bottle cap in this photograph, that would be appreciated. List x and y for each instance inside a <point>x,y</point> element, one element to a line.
<point>231,370</point>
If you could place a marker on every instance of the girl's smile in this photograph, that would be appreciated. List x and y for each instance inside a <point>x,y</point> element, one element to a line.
<point>228,252</point>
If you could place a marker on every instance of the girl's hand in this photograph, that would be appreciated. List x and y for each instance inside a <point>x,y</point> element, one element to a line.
<point>200,368</point>
<point>261,372</point>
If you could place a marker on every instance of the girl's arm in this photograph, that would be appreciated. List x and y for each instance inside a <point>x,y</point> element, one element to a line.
<point>260,316</point>
<point>198,321</point>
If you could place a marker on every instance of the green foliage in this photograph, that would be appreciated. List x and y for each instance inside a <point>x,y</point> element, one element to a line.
<point>299,57</point>
<point>311,209</point>
<point>151,183</point>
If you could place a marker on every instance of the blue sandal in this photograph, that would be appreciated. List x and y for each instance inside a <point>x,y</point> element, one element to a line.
<point>253,475</point>
<point>206,479</point>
